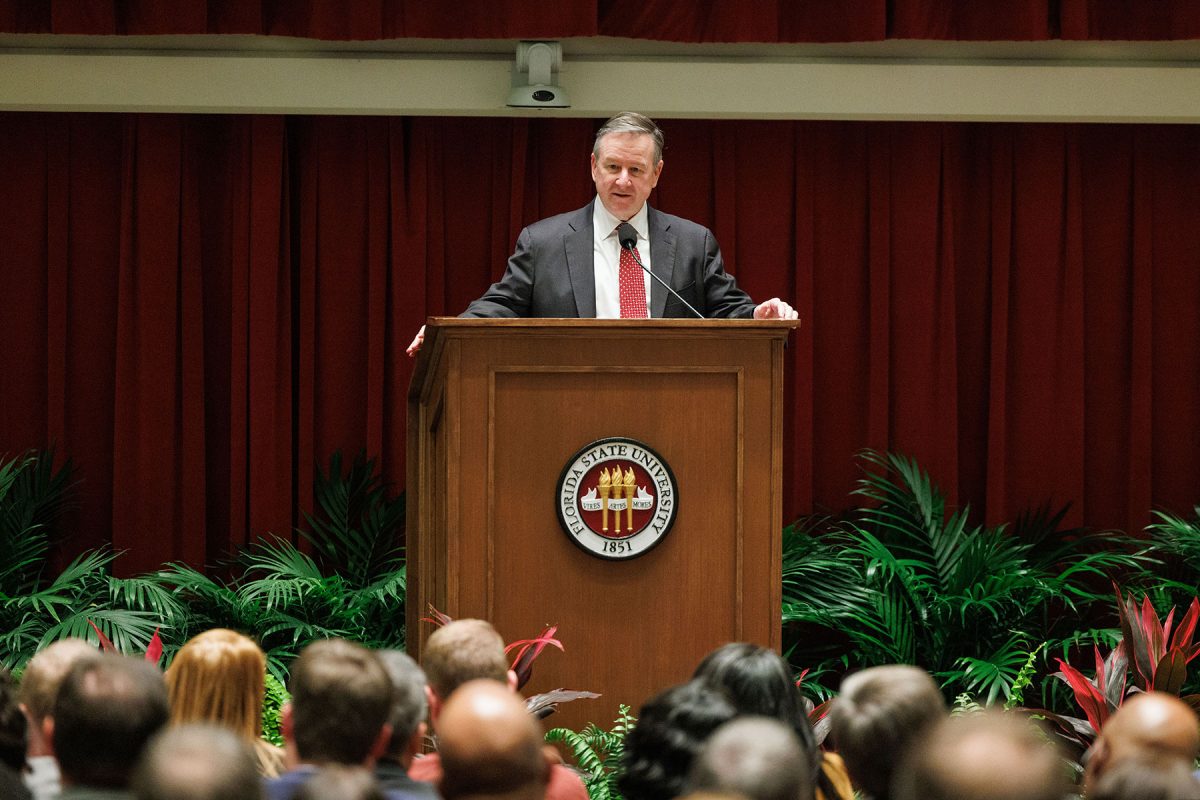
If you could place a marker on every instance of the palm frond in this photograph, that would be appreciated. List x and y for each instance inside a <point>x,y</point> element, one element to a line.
<point>355,534</point>
<point>993,676</point>
<point>130,631</point>
<point>32,493</point>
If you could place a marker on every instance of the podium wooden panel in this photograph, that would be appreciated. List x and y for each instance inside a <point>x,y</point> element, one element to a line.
<point>497,408</point>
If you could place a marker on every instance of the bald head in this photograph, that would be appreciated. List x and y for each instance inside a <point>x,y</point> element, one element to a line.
<point>985,756</point>
<point>1153,726</point>
<point>755,757</point>
<point>490,745</point>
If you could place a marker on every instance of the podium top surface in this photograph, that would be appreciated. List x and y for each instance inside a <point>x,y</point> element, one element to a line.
<point>440,329</point>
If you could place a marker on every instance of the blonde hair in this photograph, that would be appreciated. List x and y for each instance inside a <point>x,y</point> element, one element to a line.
<point>218,677</point>
<point>45,672</point>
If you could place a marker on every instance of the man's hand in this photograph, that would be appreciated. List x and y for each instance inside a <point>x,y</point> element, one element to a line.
<point>775,309</point>
<point>419,339</point>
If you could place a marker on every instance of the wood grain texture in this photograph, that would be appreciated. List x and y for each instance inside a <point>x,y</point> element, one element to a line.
<point>519,398</point>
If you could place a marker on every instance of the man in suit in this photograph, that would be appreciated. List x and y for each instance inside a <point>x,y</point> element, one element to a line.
<point>574,265</point>
<point>338,715</point>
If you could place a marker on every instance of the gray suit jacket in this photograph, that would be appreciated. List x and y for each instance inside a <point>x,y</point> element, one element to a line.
<point>551,273</point>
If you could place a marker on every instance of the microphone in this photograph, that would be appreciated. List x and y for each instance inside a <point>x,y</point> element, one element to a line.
<point>627,236</point>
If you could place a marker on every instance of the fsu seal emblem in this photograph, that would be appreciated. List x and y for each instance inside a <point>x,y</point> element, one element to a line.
<point>616,498</point>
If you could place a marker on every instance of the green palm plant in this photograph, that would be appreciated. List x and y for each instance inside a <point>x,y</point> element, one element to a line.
<point>908,580</point>
<point>352,585</point>
<point>36,607</point>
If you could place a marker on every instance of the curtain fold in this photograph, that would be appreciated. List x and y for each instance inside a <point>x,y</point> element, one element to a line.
<point>200,310</point>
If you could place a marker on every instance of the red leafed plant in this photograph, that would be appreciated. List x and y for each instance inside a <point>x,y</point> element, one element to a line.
<point>1098,697</point>
<point>154,647</point>
<point>1150,655</point>
<point>1159,658</point>
<point>530,649</point>
<point>818,715</point>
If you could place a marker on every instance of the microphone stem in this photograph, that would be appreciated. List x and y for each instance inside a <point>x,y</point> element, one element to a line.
<point>632,248</point>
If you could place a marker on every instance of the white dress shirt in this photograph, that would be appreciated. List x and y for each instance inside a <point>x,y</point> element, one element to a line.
<point>606,259</point>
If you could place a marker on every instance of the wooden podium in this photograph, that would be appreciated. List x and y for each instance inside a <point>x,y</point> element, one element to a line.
<point>498,409</point>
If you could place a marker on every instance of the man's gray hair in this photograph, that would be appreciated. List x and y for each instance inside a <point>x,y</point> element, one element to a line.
<point>756,757</point>
<point>197,762</point>
<point>409,706</point>
<point>631,122</point>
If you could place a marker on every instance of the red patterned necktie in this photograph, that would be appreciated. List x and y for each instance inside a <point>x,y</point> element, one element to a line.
<point>632,287</point>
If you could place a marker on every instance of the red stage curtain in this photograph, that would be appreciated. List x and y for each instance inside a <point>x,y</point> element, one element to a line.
<point>199,309</point>
<point>670,20</point>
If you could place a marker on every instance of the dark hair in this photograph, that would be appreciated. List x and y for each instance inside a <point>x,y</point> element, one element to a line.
<point>12,787</point>
<point>12,724</point>
<point>880,713</point>
<point>341,698</point>
<point>105,712</point>
<point>672,727</point>
<point>759,682</point>
<point>197,762</point>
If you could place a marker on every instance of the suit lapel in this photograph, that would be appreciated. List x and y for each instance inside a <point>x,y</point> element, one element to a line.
<point>662,260</point>
<point>579,248</point>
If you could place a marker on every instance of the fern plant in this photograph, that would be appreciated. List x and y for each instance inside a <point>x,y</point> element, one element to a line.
<point>909,580</point>
<point>274,697</point>
<point>598,752</point>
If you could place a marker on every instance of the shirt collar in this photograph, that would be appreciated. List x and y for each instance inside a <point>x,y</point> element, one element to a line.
<point>606,224</point>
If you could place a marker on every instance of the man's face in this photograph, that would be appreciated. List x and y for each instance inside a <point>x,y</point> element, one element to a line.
<point>625,172</point>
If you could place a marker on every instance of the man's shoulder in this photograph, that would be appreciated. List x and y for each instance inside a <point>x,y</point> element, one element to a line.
<point>287,784</point>
<point>680,226</point>
<point>559,223</point>
<point>399,785</point>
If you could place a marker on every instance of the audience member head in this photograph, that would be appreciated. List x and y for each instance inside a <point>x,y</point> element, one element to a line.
<point>490,745</point>
<point>879,714</point>
<point>1139,779</point>
<point>341,700</point>
<point>12,724</point>
<point>461,651</point>
<point>340,782</point>
<point>218,677</point>
<point>409,706</point>
<point>197,762</point>
<point>759,682</point>
<point>1152,726</point>
<point>39,685</point>
<point>105,712</point>
<point>758,758</point>
<point>982,756</point>
<point>672,727</point>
